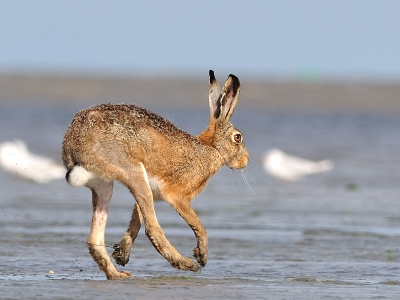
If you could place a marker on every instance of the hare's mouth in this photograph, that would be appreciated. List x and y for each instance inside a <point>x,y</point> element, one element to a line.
<point>238,163</point>
<point>238,166</point>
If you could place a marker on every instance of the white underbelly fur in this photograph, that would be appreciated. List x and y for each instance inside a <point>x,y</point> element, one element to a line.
<point>156,186</point>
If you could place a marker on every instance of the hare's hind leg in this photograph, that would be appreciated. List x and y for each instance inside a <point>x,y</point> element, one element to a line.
<point>101,196</point>
<point>122,249</point>
<point>138,184</point>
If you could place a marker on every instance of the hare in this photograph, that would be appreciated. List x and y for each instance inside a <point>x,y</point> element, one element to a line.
<point>156,161</point>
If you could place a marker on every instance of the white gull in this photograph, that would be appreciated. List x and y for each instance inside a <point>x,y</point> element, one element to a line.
<point>290,168</point>
<point>15,158</point>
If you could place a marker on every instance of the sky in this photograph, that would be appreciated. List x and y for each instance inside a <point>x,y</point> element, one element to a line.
<point>255,38</point>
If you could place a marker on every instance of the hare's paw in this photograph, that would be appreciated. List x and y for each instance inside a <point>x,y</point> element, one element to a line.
<point>201,256</point>
<point>118,275</point>
<point>121,253</point>
<point>185,264</point>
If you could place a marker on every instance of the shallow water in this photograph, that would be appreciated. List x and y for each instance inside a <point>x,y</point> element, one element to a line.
<point>330,236</point>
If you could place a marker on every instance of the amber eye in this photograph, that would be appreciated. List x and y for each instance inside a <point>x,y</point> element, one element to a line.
<point>237,138</point>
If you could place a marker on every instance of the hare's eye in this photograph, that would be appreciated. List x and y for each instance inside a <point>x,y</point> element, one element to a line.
<point>237,138</point>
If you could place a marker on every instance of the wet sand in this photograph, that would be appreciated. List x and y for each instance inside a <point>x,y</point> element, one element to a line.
<point>327,237</point>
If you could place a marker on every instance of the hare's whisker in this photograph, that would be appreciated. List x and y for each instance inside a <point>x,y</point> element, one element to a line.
<point>233,182</point>
<point>251,176</point>
<point>247,182</point>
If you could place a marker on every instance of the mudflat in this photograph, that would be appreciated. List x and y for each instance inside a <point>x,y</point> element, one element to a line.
<point>340,96</point>
<point>329,236</point>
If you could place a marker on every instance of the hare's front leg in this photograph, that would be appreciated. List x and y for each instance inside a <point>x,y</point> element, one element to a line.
<point>138,184</point>
<point>122,249</point>
<point>101,196</point>
<point>189,215</point>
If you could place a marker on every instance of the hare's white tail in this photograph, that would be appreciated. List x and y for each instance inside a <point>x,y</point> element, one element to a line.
<point>78,176</point>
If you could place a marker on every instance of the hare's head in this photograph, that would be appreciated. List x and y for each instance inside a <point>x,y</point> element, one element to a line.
<point>221,134</point>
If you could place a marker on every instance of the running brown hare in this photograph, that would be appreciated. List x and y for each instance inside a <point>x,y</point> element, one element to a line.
<point>156,161</point>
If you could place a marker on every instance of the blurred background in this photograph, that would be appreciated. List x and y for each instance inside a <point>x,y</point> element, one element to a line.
<point>319,80</point>
<point>49,47</point>
<point>307,39</point>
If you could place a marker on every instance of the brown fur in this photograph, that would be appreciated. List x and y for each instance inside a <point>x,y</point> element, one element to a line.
<point>154,160</point>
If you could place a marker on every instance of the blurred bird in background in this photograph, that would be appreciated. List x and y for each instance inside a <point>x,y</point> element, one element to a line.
<point>290,168</point>
<point>16,159</point>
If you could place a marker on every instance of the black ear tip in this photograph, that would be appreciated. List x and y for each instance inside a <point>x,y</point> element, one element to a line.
<point>234,77</point>
<point>212,77</point>
<point>235,80</point>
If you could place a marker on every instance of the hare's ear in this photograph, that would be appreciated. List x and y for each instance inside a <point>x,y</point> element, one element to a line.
<point>230,96</point>
<point>214,96</point>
